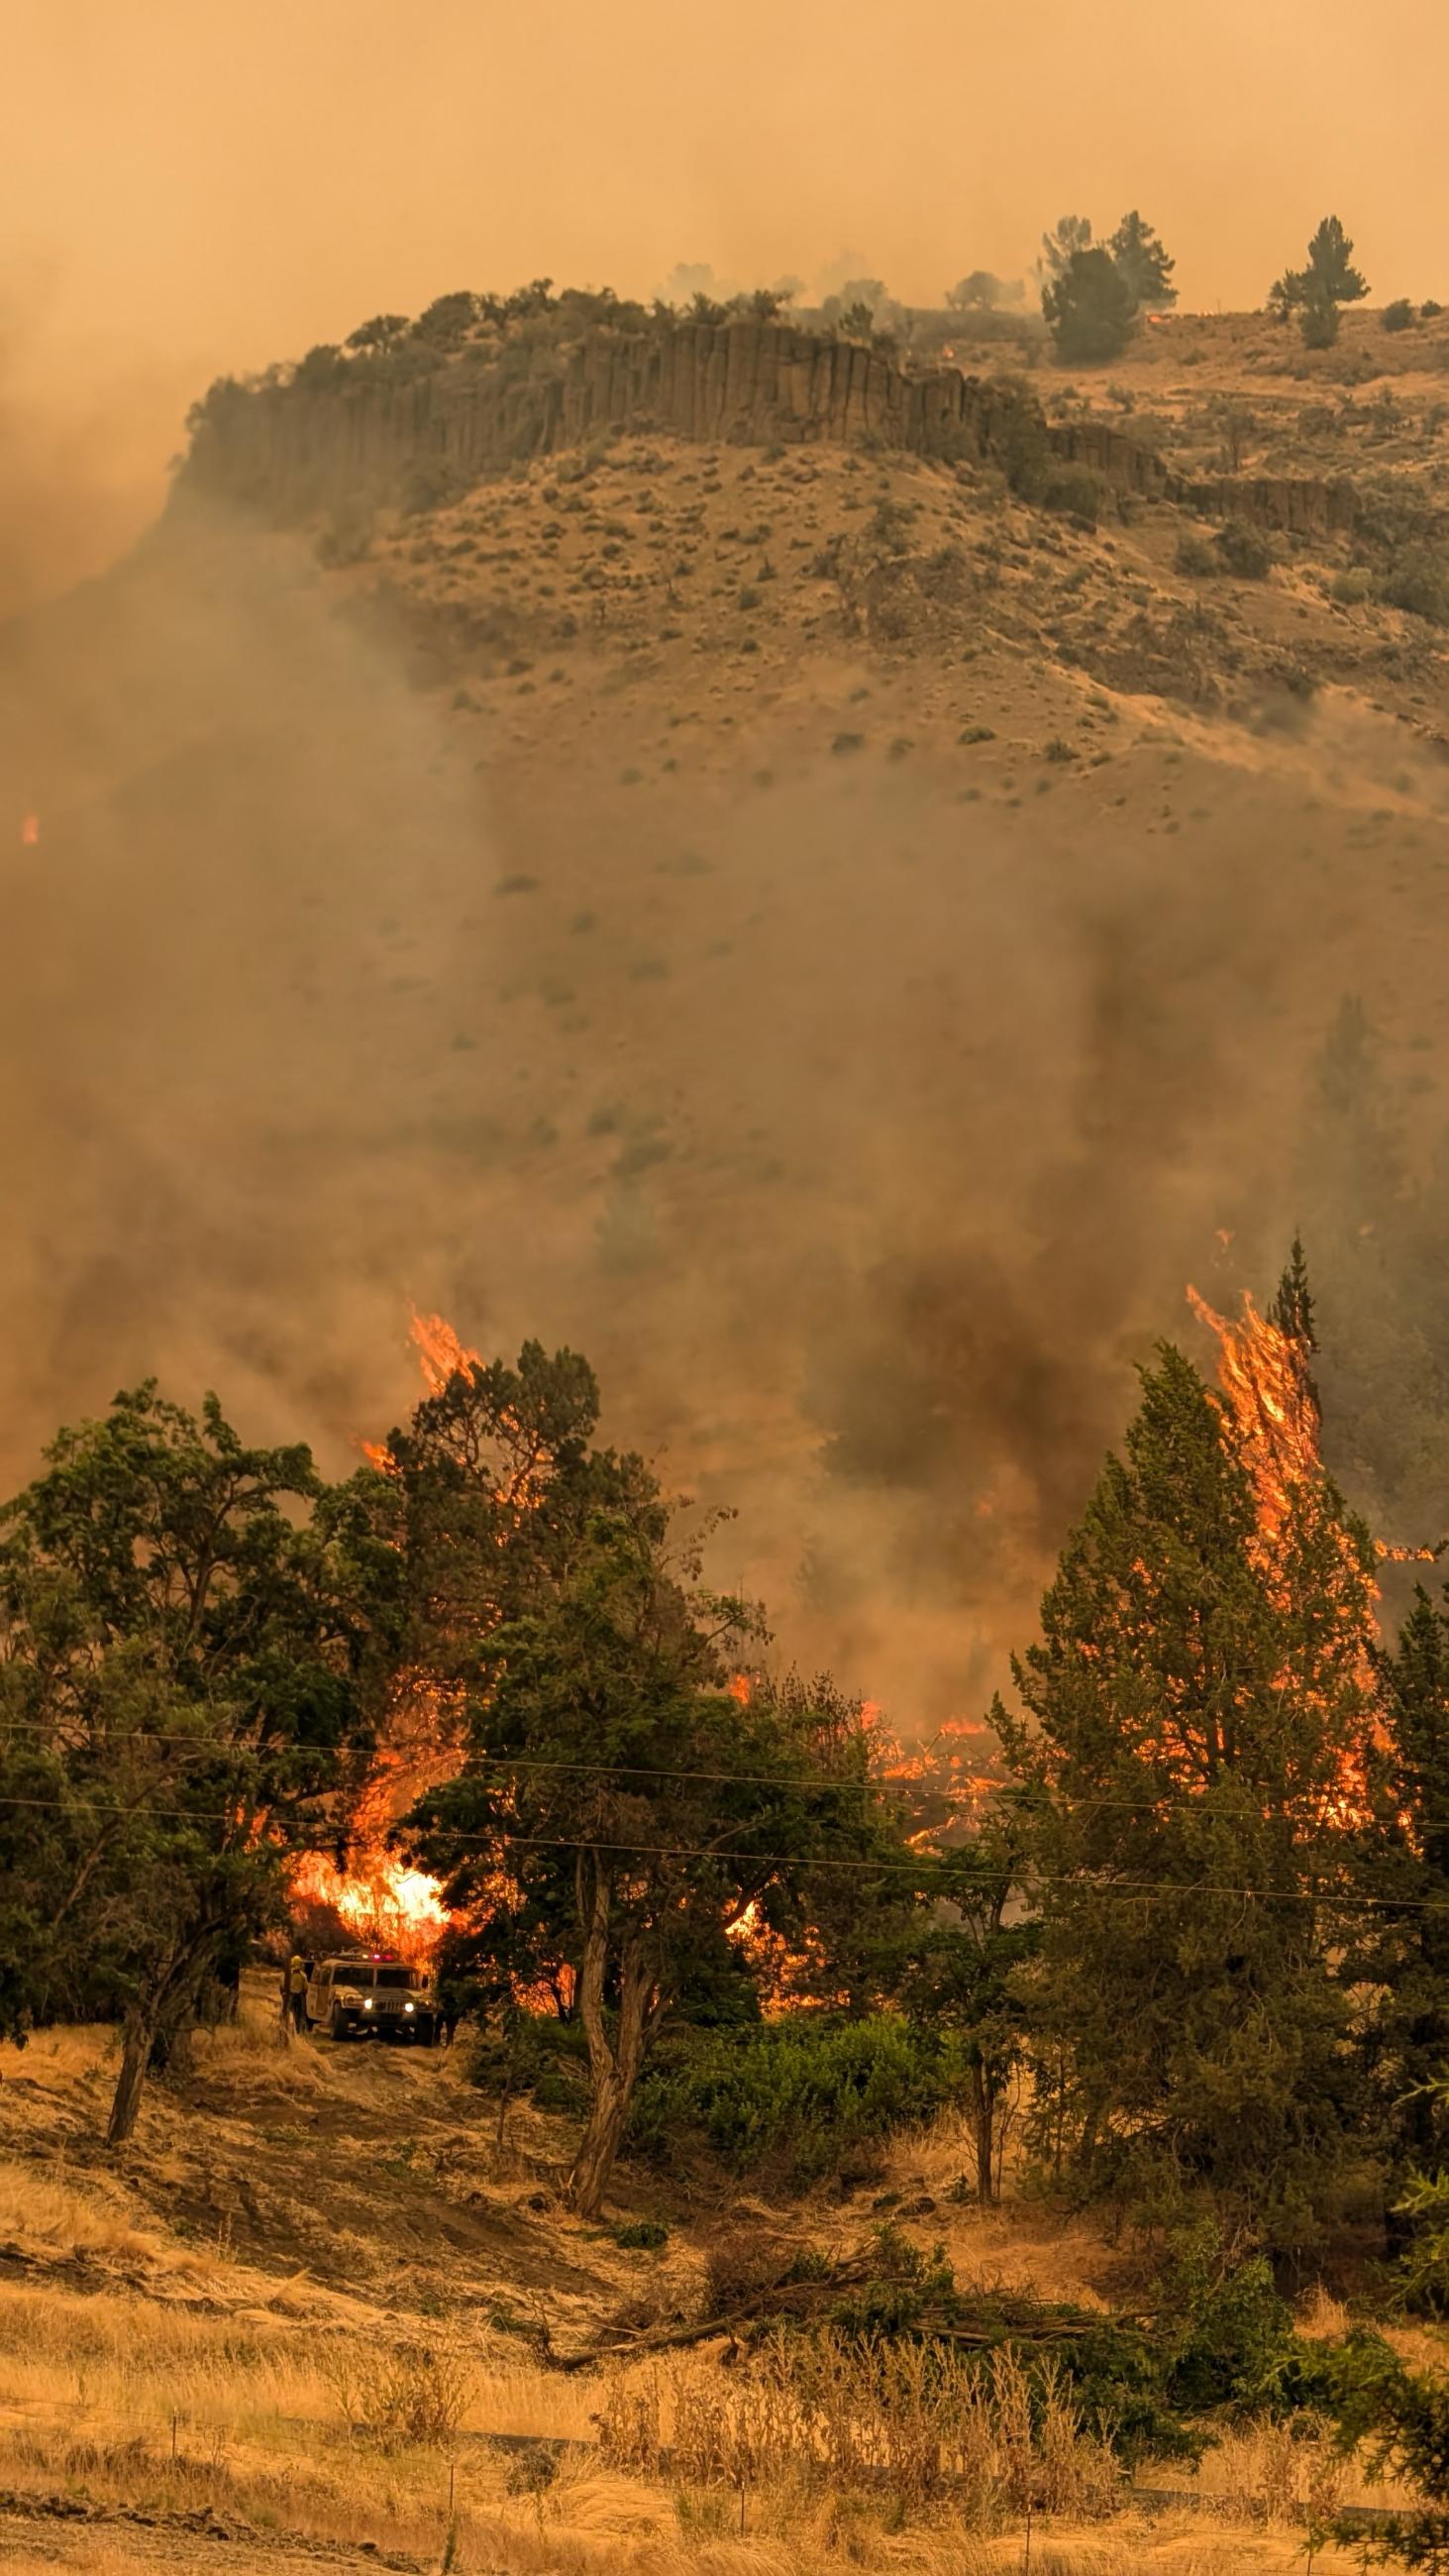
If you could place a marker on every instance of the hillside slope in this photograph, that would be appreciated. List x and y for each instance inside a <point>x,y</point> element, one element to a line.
<point>836,941</point>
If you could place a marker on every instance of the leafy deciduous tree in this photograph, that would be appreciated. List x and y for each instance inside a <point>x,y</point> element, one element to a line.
<point>187,1629</point>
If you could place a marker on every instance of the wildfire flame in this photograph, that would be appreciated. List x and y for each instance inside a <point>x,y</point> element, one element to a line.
<point>385,1904</point>
<point>378,1898</point>
<point>441,1356</point>
<point>1271,1403</point>
<point>1264,1376</point>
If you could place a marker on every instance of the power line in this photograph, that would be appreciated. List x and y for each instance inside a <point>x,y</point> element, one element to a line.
<point>523,1762</point>
<point>1145,1888</point>
<point>1185,1802</point>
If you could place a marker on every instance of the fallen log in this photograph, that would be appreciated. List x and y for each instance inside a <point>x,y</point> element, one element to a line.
<point>813,2297</point>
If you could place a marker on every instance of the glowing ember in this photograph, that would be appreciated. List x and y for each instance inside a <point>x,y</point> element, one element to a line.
<point>30,831</point>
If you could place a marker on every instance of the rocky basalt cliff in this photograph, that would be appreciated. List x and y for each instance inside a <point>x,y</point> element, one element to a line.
<point>318,439</point>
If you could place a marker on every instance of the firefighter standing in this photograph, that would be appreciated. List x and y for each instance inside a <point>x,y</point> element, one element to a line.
<point>297,1990</point>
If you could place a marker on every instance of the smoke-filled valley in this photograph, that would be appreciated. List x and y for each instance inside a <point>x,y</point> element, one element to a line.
<point>875,892</point>
<point>763,917</point>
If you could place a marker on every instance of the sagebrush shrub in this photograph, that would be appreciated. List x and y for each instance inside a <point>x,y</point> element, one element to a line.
<point>800,2096</point>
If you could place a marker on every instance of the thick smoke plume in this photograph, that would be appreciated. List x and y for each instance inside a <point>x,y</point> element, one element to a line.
<point>863,1138</point>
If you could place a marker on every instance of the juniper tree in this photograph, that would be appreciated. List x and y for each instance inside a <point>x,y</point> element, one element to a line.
<point>1403,1951</point>
<point>1192,1717</point>
<point>1142,262</point>
<point>1316,291</point>
<point>969,1948</point>
<point>1089,307</point>
<point>1292,1307</point>
<point>617,1806</point>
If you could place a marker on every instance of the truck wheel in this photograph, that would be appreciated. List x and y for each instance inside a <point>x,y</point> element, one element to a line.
<point>339,2026</point>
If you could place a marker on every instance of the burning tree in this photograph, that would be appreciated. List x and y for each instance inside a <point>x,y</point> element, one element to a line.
<point>619,1805</point>
<point>1204,1734</point>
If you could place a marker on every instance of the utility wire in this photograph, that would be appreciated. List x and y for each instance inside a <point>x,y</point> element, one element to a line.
<point>980,1790</point>
<point>1145,1888</point>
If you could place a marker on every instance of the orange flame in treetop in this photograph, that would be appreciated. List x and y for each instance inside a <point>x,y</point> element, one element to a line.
<point>440,1353</point>
<point>1264,1376</point>
<point>1271,1404</point>
<point>441,1356</point>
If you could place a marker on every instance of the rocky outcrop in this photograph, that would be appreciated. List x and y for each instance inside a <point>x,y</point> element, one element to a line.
<point>300,442</point>
<point>356,429</point>
<point>1300,505</point>
<point>1121,461</point>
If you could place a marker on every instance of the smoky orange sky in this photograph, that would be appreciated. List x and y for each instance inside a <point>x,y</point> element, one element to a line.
<point>192,186</point>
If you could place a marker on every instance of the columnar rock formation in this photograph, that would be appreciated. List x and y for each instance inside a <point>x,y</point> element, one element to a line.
<point>294,445</point>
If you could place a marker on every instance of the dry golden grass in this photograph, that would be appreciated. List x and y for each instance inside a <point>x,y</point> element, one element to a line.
<point>261,2417</point>
<point>141,2372</point>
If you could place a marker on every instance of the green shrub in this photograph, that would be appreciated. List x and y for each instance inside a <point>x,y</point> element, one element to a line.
<point>1077,493</point>
<point>1430,311</point>
<point>1229,2336</point>
<point>1245,550</point>
<point>1196,557</point>
<point>1419,582</point>
<point>641,2235</point>
<point>798,2098</point>
<point>1353,586</point>
<point>1018,438</point>
<point>1400,315</point>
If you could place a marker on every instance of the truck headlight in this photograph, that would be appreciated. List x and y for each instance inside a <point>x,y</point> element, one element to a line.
<point>367,2003</point>
<point>409,2007</point>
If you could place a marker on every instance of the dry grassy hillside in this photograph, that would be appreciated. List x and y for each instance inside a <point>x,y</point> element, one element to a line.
<point>842,947</point>
<point>837,944</point>
<point>301,2315</point>
<point>1239,393</point>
